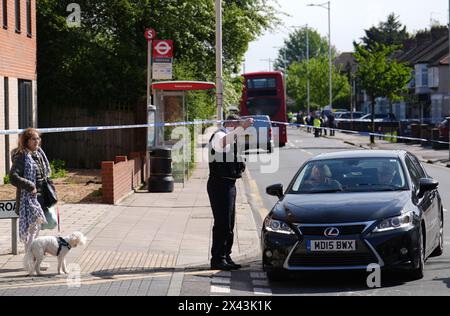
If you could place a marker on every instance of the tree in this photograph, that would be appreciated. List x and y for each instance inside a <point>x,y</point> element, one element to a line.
<point>380,75</point>
<point>318,70</point>
<point>391,32</point>
<point>295,47</point>
<point>104,61</point>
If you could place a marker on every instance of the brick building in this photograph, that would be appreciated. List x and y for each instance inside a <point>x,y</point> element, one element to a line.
<point>18,57</point>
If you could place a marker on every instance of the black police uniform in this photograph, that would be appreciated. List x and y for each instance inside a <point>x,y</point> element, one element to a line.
<point>225,169</point>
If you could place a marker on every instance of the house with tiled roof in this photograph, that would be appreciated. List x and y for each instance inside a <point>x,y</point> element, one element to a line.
<point>428,98</point>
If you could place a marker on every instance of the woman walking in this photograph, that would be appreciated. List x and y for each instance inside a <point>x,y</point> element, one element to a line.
<point>29,172</point>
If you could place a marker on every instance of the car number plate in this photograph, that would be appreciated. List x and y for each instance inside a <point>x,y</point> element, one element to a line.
<point>332,245</point>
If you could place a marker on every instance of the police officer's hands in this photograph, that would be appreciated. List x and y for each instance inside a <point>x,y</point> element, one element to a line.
<point>247,123</point>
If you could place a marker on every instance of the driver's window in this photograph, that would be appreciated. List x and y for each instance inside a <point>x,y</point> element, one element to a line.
<point>414,173</point>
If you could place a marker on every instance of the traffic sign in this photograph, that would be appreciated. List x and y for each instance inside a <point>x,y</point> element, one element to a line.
<point>150,34</point>
<point>163,49</point>
<point>7,210</point>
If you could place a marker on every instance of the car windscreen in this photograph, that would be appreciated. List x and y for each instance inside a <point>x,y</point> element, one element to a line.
<point>350,175</point>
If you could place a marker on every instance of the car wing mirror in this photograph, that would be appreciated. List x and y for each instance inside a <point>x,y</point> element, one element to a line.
<point>275,190</point>
<point>426,185</point>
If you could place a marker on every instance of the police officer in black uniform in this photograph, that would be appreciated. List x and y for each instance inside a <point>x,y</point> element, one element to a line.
<point>226,166</point>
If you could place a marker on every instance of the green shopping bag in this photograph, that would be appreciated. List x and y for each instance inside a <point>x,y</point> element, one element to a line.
<point>51,216</point>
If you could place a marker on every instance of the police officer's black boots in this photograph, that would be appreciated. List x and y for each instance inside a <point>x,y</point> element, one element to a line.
<point>233,264</point>
<point>221,265</point>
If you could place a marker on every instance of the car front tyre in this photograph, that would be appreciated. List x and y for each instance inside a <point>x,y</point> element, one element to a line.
<point>439,251</point>
<point>419,263</point>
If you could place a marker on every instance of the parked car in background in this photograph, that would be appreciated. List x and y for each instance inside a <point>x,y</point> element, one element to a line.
<point>335,111</point>
<point>349,115</point>
<point>444,131</point>
<point>260,136</point>
<point>385,117</point>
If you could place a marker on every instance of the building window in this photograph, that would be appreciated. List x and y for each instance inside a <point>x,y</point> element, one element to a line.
<point>29,28</point>
<point>18,26</point>
<point>5,13</point>
<point>25,104</point>
<point>6,103</point>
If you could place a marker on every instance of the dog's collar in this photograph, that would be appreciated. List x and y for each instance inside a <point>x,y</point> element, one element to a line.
<point>62,243</point>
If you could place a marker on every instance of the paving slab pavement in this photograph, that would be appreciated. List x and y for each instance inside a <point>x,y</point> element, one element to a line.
<point>147,236</point>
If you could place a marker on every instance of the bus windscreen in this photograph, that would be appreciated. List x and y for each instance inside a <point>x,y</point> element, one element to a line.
<point>261,83</point>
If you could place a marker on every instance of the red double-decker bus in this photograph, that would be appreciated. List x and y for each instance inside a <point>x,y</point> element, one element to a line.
<point>263,94</point>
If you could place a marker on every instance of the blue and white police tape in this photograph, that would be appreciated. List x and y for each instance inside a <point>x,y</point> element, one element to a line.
<point>361,133</point>
<point>206,122</point>
<point>106,128</point>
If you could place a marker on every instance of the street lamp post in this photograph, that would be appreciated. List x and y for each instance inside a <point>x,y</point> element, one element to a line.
<point>308,85</point>
<point>327,5</point>
<point>219,66</point>
<point>270,60</point>
<point>285,69</point>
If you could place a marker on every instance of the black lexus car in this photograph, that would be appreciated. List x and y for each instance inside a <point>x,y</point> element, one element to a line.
<point>346,211</point>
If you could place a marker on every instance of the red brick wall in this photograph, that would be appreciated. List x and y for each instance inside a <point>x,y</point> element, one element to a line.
<point>122,176</point>
<point>18,51</point>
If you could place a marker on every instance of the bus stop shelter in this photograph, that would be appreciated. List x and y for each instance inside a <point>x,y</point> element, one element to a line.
<point>169,99</point>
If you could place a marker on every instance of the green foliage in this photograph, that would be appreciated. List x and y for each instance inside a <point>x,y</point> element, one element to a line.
<point>380,75</point>
<point>391,32</point>
<point>295,47</point>
<point>6,180</point>
<point>104,61</point>
<point>97,193</point>
<point>58,169</point>
<point>319,83</point>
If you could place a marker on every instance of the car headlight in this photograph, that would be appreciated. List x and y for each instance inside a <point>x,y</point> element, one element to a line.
<point>278,227</point>
<point>403,221</point>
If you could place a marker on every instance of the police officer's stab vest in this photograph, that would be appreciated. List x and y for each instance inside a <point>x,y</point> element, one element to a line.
<point>225,165</point>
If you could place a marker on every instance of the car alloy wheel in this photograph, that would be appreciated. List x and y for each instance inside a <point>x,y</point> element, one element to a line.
<point>417,273</point>
<point>440,248</point>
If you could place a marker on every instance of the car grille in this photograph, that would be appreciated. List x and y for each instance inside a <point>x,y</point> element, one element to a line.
<point>320,230</point>
<point>332,260</point>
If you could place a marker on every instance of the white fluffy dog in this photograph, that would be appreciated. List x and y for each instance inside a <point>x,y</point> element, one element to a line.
<point>55,246</point>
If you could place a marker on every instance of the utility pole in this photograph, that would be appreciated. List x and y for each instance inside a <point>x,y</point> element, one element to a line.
<point>270,63</point>
<point>285,68</point>
<point>308,82</point>
<point>219,61</point>
<point>327,5</point>
<point>308,86</point>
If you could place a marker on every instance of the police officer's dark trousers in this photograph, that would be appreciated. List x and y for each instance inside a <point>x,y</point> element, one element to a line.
<point>222,195</point>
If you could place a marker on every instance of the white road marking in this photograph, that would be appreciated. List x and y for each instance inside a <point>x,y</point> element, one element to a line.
<point>262,291</point>
<point>219,280</point>
<point>260,283</point>
<point>220,289</point>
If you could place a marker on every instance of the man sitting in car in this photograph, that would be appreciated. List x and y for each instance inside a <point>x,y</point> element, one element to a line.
<point>321,178</point>
<point>386,175</point>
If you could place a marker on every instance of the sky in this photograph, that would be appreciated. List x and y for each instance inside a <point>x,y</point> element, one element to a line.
<point>349,18</point>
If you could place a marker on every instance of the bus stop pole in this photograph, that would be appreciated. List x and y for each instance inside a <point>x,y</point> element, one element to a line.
<point>14,236</point>
<point>219,74</point>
